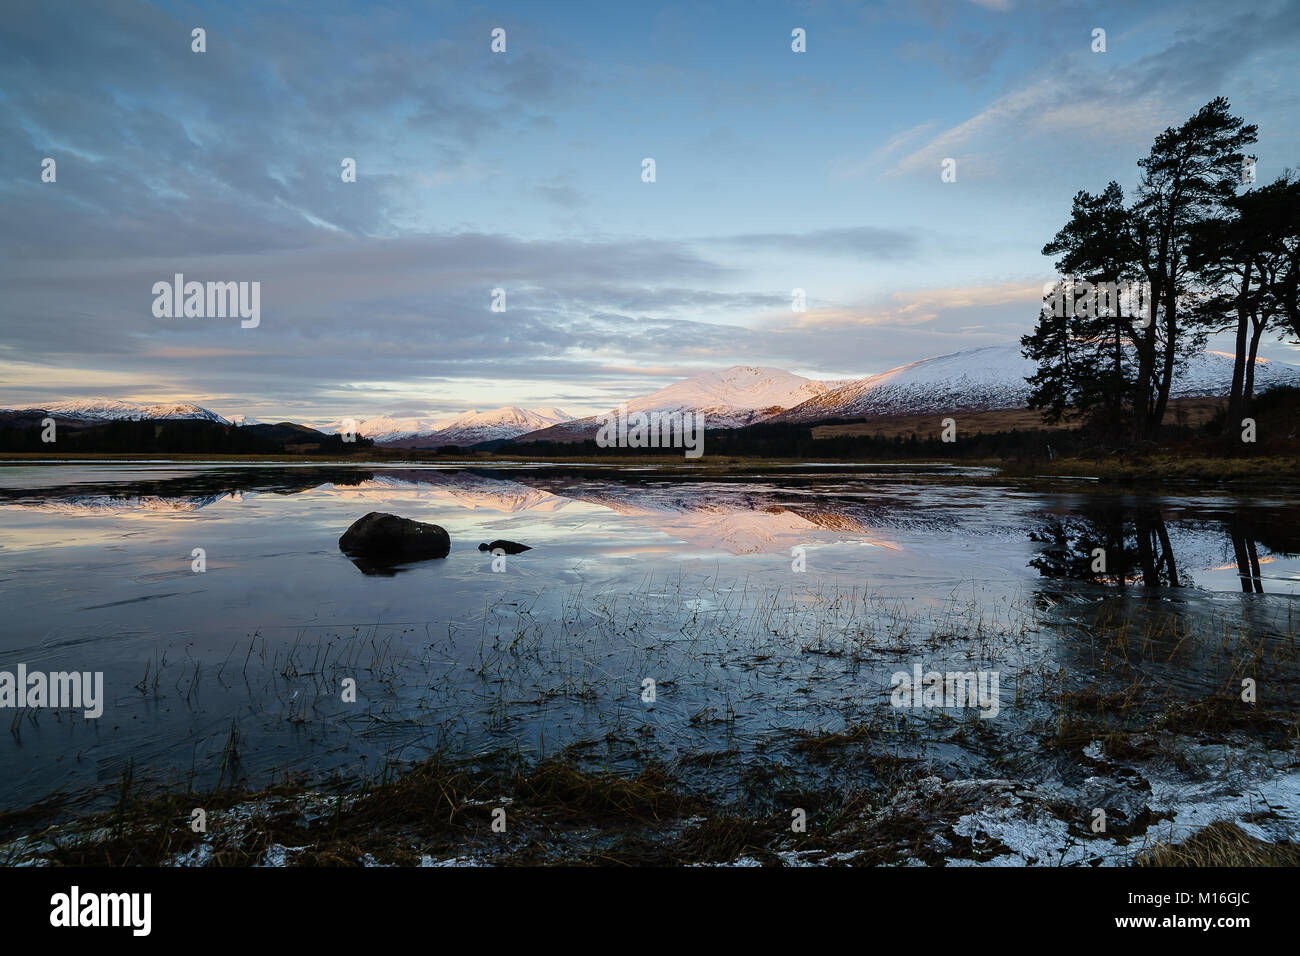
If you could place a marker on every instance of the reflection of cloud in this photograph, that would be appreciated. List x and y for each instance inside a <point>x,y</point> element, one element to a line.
<point>1233,567</point>
<point>715,519</point>
<point>720,521</point>
<point>736,524</point>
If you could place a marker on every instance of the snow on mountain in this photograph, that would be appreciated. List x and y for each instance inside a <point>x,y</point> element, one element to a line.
<point>730,398</point>
<point>1209,375</point>
<point>95,409</point>
<point>993,376</point>
<point>468,428</point>
<point>386,428</point>
<point>990,377</point>
<point>740,394</point>
<point>505,422</point>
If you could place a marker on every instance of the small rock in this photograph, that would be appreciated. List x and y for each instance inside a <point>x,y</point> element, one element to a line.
<point>509,547</point>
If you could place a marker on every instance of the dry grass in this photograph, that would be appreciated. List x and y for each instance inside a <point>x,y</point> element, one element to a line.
<point>563,791</point>
<point>1183,411</point>
<point>1221,844</point>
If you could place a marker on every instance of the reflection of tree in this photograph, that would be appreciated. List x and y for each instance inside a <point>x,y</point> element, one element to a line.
<point>1243,549</point>
<point>197,489</point>
<point>1155,554</point>
<point>1134,541</point>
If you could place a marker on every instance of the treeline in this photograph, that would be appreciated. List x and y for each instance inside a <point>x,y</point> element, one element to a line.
<point>796,441</point>
<point>1278,412</point>
<point>176,436</point>
<point>1212,252</point>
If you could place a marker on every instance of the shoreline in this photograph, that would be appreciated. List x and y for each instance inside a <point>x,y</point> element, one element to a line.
<point>496,810</point>
<point>1137,470</point>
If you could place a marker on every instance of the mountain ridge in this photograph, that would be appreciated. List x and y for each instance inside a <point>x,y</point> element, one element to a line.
<point>984,378</point>
<point>993,377</point>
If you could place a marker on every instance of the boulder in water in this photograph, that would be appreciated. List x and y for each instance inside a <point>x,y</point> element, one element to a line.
<point>389,539</point>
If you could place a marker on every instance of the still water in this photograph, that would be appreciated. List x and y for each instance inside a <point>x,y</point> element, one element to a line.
<point>759,605</point>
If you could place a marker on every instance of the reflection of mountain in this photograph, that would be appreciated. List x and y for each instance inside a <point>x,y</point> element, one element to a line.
<point>1146,541</point>
<point>460,488</point>
<point>738,520</point>
<point>186,492</point>
<point>718,517</point>
<point>123,504</point>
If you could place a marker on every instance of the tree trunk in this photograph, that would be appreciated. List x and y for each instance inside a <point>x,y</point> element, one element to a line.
<point>1232,420</point>
<point>1146,364</point>
<point>1248,386</point>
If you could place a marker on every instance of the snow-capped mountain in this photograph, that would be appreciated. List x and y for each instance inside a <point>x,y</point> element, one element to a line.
<point>994,377</point>
<point>505,422</point>
<point>469,428</point>
<point>386,427</point>
<point>990,377</point>
<point>100,409</point>
<point>730,398</point>
<point>1209,374</point>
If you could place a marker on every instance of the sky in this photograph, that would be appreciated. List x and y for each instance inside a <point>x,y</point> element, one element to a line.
<point>522,170</point>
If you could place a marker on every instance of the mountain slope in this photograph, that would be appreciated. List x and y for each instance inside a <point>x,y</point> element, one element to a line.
<point>107,409</point>
<point>499,423</point>
<point>993,377</point>
<point>729,398</point>
<point>466,429</point>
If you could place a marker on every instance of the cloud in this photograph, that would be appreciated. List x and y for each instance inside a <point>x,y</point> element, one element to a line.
<point>160,149</point>
<point>910,308</point>
<point>869,241</point>
<point>479,171</point>
<point>1107,102</point>
<point>401,310</point>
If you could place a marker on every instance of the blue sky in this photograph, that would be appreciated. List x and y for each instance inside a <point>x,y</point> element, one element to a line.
<point>775,170</point>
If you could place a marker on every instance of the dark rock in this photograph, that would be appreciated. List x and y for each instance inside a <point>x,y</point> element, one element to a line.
<point>509,547</point>
<point>383,539</point>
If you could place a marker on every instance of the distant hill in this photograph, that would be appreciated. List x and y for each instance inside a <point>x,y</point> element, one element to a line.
<point>108,409</point>
<point>21,431</point>
<point>993,377</point>
<point>731,398</point>
<point>472,428</point>
<point>985,379</point>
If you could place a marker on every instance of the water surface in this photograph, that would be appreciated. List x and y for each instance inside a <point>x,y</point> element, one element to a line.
<point>690,582</point>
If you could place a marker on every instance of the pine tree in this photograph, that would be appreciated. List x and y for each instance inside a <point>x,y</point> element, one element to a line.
<point>1189,176</point>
